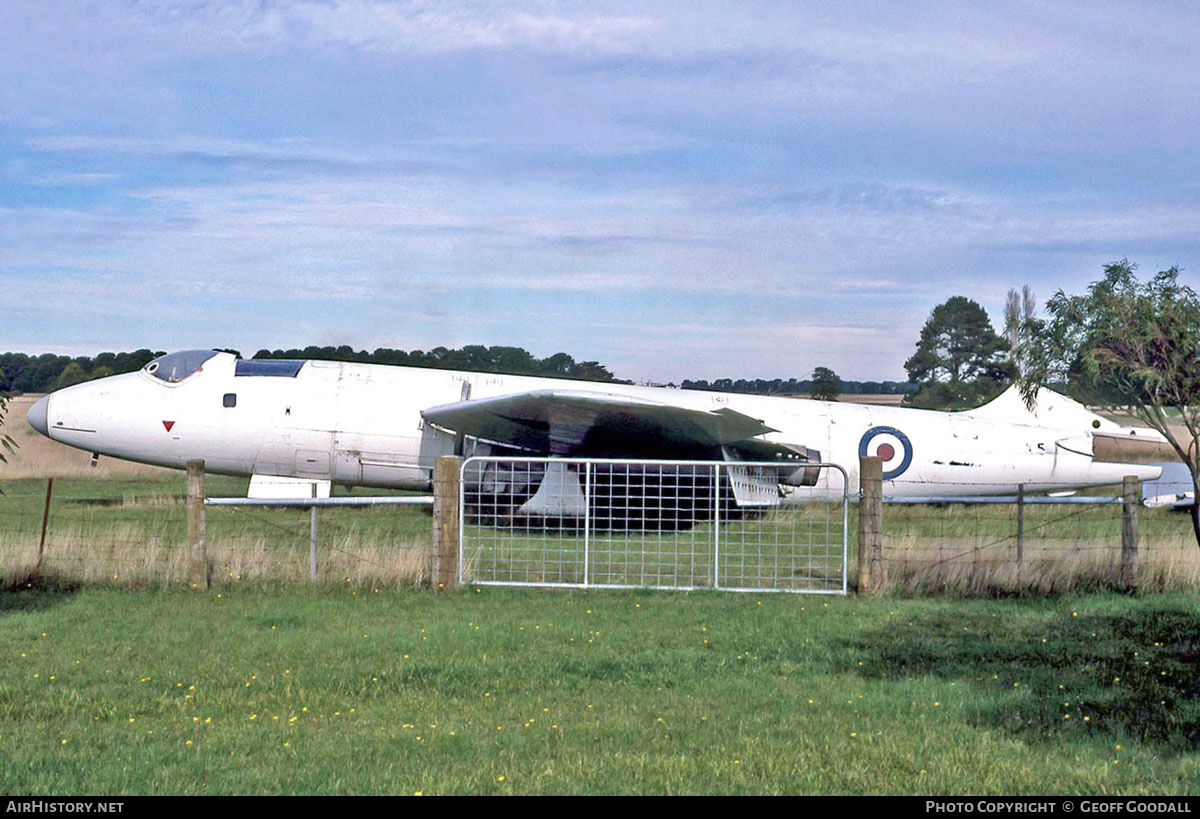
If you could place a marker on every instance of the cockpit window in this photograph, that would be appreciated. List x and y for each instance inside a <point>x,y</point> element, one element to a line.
<point>277,367</point>
<point>174,367</point>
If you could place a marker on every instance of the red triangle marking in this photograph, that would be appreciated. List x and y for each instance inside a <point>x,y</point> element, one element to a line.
<point>168,425</point>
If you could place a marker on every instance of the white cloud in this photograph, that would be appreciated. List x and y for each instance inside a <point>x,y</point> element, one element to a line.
<point>448,235</point>
<point>760,181</point>
<point>421,27</point>
<point>54,180</point>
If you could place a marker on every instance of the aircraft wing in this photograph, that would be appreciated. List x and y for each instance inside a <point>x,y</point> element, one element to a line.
<point>595,424</point>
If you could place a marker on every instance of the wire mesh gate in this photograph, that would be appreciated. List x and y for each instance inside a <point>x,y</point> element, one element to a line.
<point>599,523</point>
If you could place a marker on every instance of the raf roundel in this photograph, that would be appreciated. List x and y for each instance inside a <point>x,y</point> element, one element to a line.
<point>891,446</point>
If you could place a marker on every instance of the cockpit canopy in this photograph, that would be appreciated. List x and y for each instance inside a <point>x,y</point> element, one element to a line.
<point>174,367</point>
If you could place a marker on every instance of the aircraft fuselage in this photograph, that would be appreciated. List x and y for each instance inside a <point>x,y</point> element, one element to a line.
<point>361,424</point>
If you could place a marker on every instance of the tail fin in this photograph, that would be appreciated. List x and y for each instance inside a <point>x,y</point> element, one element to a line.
<point>1050,409</point>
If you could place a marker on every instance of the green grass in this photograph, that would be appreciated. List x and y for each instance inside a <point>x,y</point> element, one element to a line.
<point>368,686</point>
<point>337,690</point>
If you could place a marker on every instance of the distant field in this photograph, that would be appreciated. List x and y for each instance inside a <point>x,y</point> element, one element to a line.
<point>258,690</point>
<point>888,400</point>
<point>858,398</point>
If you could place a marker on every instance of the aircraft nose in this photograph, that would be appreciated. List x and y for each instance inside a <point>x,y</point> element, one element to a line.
<point>38,415</point>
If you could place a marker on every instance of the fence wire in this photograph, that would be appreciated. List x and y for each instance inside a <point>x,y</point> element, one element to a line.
<point>1044,545</point>
<point>655,524</point>
<point>139,536</point>
<point>676,528</point>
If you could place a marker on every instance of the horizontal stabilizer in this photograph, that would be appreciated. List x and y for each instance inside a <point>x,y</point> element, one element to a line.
<point>274,487</point>
<point>1179,500</point>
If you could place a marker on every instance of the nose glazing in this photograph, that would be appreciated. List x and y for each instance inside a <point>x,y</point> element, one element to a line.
<point>39,415</point>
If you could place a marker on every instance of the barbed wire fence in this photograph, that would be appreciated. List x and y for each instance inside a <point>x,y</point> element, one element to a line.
<point>1039,544</point>
<point>137,534</point>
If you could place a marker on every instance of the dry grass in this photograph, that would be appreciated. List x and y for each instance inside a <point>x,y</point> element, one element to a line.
<point>889,400</point>
<point>131,556</point>
<point>39,457</point>
<point>980,566</point>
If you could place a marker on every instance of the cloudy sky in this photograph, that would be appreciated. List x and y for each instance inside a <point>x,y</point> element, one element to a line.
<point>691,189</point>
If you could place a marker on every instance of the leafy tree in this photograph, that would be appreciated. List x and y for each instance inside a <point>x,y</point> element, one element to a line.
<point>25,373</point>
<point>559,364</point>
<point>473,357</point>
<point>960,360</point>
<point>826,386</point>
<point>591,371</point>
<point>7,444</point>
<point>71,375</point>
<point>1130,343</point>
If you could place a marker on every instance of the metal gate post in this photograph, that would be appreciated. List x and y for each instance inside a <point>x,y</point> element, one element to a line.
<point>716,526</point>
<point>462,520</point>
<point>845,533</point>
<point>587,519</point>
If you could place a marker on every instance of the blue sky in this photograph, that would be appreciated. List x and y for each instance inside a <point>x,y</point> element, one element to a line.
<point>679,190</point>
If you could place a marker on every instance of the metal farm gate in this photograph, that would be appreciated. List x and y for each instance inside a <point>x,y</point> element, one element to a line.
<point>600,523</point>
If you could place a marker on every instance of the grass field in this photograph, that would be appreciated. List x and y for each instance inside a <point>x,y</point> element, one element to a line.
<point>115,679</point>
<point>333,690</point>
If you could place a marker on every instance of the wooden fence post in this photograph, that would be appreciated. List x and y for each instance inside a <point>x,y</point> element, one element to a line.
<point>872,573</point>
<point>45,524</point>
<point>1131,500</point>
<point>199,570</point>
<point>444,574</point>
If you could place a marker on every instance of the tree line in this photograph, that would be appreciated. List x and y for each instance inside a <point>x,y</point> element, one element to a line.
<point>793,386</point>
<point>20,372</point>
<point>43,373</point>
<point>472,358</point>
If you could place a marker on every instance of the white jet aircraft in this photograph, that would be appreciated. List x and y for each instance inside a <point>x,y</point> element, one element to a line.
<point>305,422</point>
